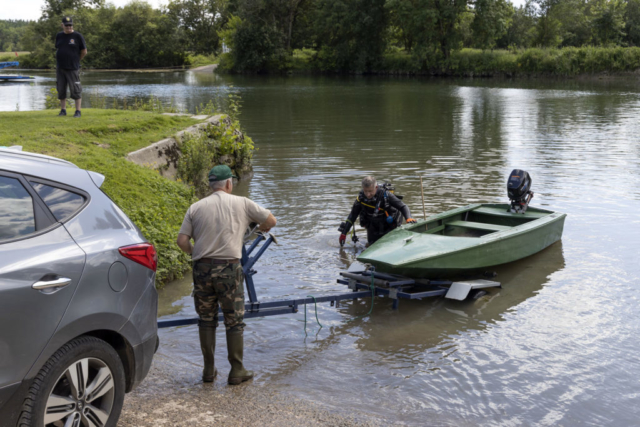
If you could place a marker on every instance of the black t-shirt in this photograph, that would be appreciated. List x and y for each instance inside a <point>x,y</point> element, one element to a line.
<point>69,47</point>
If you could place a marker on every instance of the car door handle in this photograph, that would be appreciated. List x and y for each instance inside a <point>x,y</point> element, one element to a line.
<point>56,283</point>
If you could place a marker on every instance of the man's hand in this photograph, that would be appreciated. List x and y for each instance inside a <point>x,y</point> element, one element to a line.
<point>411,221</point>
<point>342,239</point>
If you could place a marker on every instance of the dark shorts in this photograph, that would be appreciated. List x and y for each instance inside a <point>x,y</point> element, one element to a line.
<point>219,286</point>
<point>69,78</point>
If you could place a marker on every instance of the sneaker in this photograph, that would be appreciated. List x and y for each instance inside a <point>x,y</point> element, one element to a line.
<point>77,114</point>
<point>62,113</point>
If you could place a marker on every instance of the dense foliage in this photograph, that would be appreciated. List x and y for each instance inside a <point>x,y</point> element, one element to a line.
<point>11,33</point>
<point>323,35</point>
<point>425,36</point>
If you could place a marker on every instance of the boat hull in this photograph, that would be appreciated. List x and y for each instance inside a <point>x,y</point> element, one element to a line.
<point>459,249</point>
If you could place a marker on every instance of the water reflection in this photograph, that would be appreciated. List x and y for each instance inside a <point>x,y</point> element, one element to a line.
<point>554,346</point>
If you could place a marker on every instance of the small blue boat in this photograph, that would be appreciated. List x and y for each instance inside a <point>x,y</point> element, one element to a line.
<point>7,78</point>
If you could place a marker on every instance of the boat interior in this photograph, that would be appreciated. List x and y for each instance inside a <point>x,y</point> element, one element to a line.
<point>479,221</point>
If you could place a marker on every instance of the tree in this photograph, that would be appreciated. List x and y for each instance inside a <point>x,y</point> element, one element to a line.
<point>548,27</point>
<point>575,22</point>
<point>492,20</point>
<point>145,37</point>
<point>632,22</point>
<point>352,33</point>
<point>522,30</point>
<point>56,9</point>
<point>11,33</point>
<point>403,20</point>
<point>608,21</point>
<point>201,20</point>
<point>436,24</point>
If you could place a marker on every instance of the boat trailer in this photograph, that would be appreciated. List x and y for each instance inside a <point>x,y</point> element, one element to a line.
<point>11,77</point>
<point>362,284</point>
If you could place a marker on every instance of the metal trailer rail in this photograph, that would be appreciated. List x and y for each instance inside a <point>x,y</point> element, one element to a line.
<point>359,282</point>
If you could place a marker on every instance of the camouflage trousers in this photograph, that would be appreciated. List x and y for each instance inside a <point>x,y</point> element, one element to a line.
<point>219,285</point>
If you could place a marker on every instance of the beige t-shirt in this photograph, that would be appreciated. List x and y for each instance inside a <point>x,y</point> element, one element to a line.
<point>217,224</point>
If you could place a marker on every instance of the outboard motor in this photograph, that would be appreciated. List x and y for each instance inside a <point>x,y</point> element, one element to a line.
<point>519,191</point>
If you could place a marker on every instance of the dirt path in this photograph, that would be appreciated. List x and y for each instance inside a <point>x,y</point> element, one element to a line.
<point>205,68</point>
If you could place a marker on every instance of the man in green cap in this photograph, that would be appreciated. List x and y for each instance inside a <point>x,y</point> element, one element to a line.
<point>217,225</point>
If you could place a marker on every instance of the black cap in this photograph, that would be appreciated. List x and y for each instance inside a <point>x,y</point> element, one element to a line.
<point>67,20</point>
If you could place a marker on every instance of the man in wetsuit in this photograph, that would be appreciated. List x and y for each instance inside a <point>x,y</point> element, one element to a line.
<point>379,211</point>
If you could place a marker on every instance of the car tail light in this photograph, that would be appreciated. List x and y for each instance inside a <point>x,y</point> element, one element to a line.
<point>143,253</point>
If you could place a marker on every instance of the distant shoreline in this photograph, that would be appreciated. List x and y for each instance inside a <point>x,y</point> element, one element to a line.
<point>203,68</point>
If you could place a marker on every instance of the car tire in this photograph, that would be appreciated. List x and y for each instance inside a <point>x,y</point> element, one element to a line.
<point>82,383</point>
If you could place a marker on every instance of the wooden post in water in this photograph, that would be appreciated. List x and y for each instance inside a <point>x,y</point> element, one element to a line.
<point>424,212</point>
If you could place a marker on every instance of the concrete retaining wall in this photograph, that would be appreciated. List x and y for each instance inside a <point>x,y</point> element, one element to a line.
<point>163,155</point>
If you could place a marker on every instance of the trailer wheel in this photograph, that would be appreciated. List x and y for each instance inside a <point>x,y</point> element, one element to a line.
<point>476,294</point>
<point>82,384</point>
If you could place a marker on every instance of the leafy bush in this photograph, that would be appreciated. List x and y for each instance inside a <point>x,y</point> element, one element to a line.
<point>216,144</point>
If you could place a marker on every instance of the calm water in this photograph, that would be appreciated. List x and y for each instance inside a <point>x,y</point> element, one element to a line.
<point>557,345</point>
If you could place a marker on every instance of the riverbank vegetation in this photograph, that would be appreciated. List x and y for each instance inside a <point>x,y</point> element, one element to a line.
<point>457,37</point>
<point>100,142</point>
<point>569,61</point>
<point>461,37</point>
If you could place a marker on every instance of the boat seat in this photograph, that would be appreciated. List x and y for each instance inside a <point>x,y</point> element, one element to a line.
<point>479,225</point>
<point>501,212</point>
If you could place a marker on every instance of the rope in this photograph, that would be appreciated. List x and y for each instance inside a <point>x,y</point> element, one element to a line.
<point>373,290</point>
<point>373,294</point>
<point>305,313</point>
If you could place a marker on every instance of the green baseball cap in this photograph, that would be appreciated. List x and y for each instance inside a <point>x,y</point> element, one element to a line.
<point>220,173</point>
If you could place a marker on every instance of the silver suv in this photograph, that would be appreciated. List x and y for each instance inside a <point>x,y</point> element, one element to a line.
<point>78,302</point>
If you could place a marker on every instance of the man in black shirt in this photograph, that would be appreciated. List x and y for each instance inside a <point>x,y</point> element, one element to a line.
<point>71,48</point>
<point>379,211</point>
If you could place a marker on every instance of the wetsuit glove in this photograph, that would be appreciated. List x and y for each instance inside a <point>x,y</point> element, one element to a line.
<point>343,238</point>
<point>411,221</point>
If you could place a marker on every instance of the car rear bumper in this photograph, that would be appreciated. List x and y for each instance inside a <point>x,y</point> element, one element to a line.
<point>143,355</point>
<point>141,331</point>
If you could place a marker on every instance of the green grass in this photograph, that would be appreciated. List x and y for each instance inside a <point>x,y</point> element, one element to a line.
<point>98,142</point>
<point>11,56</point>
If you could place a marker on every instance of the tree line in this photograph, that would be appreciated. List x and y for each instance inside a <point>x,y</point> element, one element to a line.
<point>336,35</point>
<point>11,32</point>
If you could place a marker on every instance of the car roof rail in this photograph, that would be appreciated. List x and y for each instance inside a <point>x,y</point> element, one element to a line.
<point>16,151</point>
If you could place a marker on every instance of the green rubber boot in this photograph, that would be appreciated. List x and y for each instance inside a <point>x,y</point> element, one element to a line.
<point>208,346</point>
<point>235,346</point>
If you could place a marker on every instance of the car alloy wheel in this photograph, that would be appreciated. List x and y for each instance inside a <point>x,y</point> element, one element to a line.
<point>81,385</point>
<point>82,396</point>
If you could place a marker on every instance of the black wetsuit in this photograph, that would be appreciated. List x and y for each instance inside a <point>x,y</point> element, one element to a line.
<point>373,213</point>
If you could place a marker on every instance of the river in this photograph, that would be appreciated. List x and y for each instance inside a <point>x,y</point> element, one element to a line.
<point>557,345</point>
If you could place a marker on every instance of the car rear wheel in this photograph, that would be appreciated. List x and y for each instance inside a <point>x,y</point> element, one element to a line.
<point>81,385</point>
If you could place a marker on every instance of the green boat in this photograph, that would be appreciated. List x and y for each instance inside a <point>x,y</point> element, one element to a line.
<point>465,241</point>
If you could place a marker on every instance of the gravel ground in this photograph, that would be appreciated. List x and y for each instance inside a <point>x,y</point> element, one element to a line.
<point>173,395</point>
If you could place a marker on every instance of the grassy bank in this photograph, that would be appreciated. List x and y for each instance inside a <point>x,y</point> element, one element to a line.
<point>98,142</point>
<point>11,56</point>
<point>567,62</point>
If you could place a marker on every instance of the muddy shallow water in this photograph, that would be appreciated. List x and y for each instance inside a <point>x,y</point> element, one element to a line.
<point>557,345</point>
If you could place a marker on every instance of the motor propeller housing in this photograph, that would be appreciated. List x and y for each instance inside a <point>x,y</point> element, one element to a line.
<point>519,190</point>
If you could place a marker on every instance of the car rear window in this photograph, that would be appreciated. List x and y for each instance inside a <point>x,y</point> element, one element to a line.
<point>16,209</point>
<point>62,203</point>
